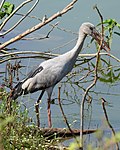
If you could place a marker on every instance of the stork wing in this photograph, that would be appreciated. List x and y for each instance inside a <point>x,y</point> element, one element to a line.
<point>17,91</point>
<point>33,72</point>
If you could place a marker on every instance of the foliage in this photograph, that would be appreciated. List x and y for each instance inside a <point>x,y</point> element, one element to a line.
<point>6,10</point>
<point>109,76</point>
<point>15,131</point>
<point>110,25</point>
<point>108,73</point>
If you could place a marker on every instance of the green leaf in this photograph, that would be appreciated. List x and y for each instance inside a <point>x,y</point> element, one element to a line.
<point>93,65</point>
<point>117,33</point>
<point>118,25</point>
<point>117,70</point>
<point>105,80</point>
<point>106,62</point>
<point>8,7</point>
<point>109,77</point>
<point>2,14</point>
<point>116,78</point>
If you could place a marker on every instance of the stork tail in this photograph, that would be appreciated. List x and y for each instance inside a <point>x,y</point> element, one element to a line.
<point>17,91</point>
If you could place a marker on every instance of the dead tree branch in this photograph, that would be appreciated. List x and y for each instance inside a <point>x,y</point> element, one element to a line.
<point>90,86</point>
<point>110,126</point>
<point>64,116</point>
<point>1,4</point>
<point>40,25</point>
<point>45,55</point>
<point>41,38</point>
<point>101,17</point>
<point>59,28</point>
<point>15,25</point>
<point>14,11</point>
<point>60,132</point>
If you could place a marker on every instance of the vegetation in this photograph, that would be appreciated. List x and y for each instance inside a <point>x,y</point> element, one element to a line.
<point>6,9</point>
<point>17,131</point>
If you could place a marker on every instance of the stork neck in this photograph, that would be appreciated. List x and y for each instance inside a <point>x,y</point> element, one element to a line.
<point>78,47</point>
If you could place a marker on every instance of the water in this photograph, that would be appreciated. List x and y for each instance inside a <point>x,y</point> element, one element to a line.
<point>81,12</point>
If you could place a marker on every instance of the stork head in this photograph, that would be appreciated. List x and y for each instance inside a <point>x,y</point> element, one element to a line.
<point>89,29</point>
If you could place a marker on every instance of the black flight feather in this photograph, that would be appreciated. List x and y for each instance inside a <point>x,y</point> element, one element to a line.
<point>18,91</point>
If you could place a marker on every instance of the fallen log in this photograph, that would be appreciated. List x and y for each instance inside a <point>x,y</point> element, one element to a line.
<point>62,132</point>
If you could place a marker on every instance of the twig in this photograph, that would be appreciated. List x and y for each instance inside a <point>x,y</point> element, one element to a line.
<point>85,76</point>
<point>64,116</point>
<point>106,116</point>
<point>88,88</point>
<point>29,52</point>
<point>40,25</point>
<point>15,25</point>
<point>101,17</point>
<point>83,101</point>
<point>47,55</point>
<point>62,29</point>
<point>14,11</point>
<point>54,54</point>
<point>33,17</point>
<point>24,57</point>
<point>1,4</point>
<point>47,36</point>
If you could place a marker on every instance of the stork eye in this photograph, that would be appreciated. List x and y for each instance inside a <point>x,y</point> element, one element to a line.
<point>91,28</point>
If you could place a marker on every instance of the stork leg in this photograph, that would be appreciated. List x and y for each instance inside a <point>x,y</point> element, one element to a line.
<point>49,114</point>
<point>37,108</point>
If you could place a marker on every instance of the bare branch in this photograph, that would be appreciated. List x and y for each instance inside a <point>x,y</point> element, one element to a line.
<point>38,26</point>
<point>48,55</point>
<point>101,17</point>
<point>1,4</point>
<point>110,126</point>
<point>89,87</point>
<point>33,17</point>
<point>41,38</point>
<point>15,25</point>
<point>64,116</point>
<point>62,29</point>
<point>23,57</point>
<point>28,52</point>
<point>86,75</point>
<point>14,11</point>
